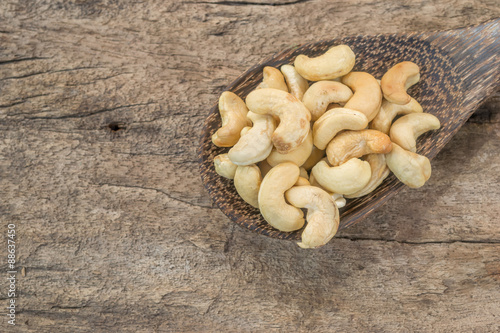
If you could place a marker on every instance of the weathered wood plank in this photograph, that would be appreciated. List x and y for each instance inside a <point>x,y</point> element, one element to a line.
<point>101,103</point>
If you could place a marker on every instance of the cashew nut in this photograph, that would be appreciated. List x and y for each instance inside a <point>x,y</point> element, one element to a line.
<point>233,112</point>
<point>410,168</point>
<point>297,85</point>
<point>322,214</point>
<point>388,111</point>
<point>224,167</point>
<point>272,204</point>
<point>272,78</point>
<point>316,156</point>
<point>407,129</point>
<point>297,156</point>
<point>245,130</point>
<point>302,182</point>
<point>346,178</point>
<point>349,144</point>
<point>380,171</point>
<point>256,144</point>
<point>294,116</point>
<point>336,62</point>
<point>397,80</point>
<point>334,121</point>
<point>322,93</point>
<point>247,181</point>
<point>367,96</point>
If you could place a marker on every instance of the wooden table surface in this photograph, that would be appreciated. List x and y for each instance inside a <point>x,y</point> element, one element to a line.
<point>101,106</point>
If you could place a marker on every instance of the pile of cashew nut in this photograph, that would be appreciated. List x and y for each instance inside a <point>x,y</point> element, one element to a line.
<point>315,133</point>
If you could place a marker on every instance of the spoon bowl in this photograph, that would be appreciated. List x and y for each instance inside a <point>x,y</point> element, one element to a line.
<point>459,69</point>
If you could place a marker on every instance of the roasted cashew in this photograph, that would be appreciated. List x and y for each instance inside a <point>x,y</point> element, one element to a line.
<point>322,93</point>
<point>272,204</point>
<point>397,80</point>
<point>388,111</point>
<point>272,78</point>
<point>350,144</point>
<point>297,85</point>
<point>224,167</point>
<point>334,121</point>
<point>380,171</point>
<point>297,156</point>
<point>336,62</point>
<point>345,179</point>
<point>294,116</point>
<point>410,168</point>
<point>247,181</point>
<point>256,144</point>
<point>367,96</point>
<point>322,214</point>
<point>407,129</point>
<point>316,156</point>
<point>233,112</point>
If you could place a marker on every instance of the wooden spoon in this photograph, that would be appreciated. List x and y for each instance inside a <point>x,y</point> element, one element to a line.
<point>459,70</point>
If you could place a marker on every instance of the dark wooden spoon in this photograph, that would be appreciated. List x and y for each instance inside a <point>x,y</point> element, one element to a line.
<point>459,69</point>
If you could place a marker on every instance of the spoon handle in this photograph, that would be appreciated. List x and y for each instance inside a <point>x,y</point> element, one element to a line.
<point>475,55</point>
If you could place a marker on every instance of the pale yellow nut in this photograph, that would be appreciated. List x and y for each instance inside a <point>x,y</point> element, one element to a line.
<point>345,179</point>
<point>316,156</point>
<point>410,168</point>
<point>367,96</point>
<point>297,85</point>
<point>388,111</point>
<point>272,78</point>
<point>337,61</point>
<point>256,144</point>
<point>272,204</point>
<point>407,129</point>
<point>302,182</point>
<point>247,181</point>
<point>380,171</point>
<point>350,144</point>
<point>293,115</point>
<point>233,112</point>
<point>322,93</point>
<point>397,80</point>
<point>334,121</point>
<point>297,156</point>
<point>224,167</point>
<point>322,214</point>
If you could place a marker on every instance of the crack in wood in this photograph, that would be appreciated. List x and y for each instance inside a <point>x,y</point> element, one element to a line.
<point>248,3</point>
<point>451,241</point>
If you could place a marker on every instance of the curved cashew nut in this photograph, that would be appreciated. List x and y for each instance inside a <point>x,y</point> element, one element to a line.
<point>350,144</point>
<point>388,111</point>
<point>380,171</point>
<point>272,78</point>
<point>298,156</point>
<point>316,156</point>
<point>294,116</point>
<point>272,204</point>
<point>233,112</point>
<point>297,85</point>
<point>322,93</point>
<point>407,129</point>
<point>334,121</point>
<point>397,80</point>
<point>346,178</point>
<point>224,166</point>
<point>247,181</point>
<point>256,144</point>
<point>336,62</point>
<point>367,96</point>
<point>410,168</point>
<point>338,198</point>
<point>322,214</point>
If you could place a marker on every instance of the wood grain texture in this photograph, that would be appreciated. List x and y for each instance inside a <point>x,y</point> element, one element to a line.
<point>115,230</point>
